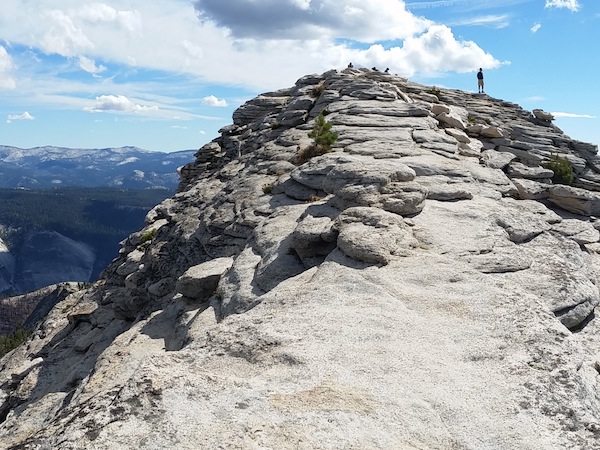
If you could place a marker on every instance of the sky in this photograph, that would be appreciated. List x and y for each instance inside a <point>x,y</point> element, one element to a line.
<point>166,75</point>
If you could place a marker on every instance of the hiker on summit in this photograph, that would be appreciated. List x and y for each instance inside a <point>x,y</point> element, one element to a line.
<point>480,81</point>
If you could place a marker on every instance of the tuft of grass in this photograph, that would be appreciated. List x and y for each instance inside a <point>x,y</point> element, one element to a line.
<point>314,198</point>
<point>148,236</point>
<point>434,91</point>
<point>317,90</point>
<point>13,340</point>
<point>267,188</point>
<point>562,168</point>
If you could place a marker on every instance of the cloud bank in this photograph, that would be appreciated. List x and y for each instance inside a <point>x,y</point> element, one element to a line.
<point>253,44</point>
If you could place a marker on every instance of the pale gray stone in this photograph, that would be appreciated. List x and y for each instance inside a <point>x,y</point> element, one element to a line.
<point>373,236</point>
<point>531,190</point>
<point>581,232</point>
<point>340,323</point>
<point>200,281</point>
<point>520,170</point>
<point>451,120</point>
<point>459,135</point>
<point>575,200</point>
<point>496,160</point>
<point>543,115</point>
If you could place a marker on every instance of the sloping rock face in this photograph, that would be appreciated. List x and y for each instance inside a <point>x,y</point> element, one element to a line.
<point>28,309</point>
<point>413,289</point>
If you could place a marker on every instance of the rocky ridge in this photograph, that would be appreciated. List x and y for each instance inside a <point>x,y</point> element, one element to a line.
<point>424,285</point>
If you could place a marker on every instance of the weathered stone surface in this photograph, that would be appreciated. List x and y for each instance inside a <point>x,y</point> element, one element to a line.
<point>519,170</point>
<point>337,321</point>
<point>459,135</point>
<point>373,236</point>
<point>200,281</point>
<point>496,160</point>
<point>575,200</point>
<point>543,115</point>
<point>531,190</point>
<point>581,232</point>
<point>452,120</point>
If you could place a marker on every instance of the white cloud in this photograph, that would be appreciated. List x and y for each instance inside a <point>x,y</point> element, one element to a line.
<point>258,45</point>
<point>119,103</point>
<point>89,65</point>
<point>6,66</point>
<point>366,21</point>
<point>572,115</point>
<point>536,27</point>
<point>494,21</point>
<point>573,5</point>
<point>213,101</point>
<point>431,53</point>
<point>62,35</point>
<point>24,116</point>
<point>535,98</point>
<point>103,13</point>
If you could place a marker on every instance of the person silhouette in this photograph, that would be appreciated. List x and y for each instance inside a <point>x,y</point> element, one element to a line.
<point>480,81</point>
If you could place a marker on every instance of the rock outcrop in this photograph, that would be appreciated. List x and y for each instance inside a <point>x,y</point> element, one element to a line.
<point>422,286</point>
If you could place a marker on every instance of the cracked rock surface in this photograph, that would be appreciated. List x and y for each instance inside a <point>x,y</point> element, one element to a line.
<point>424,285</point>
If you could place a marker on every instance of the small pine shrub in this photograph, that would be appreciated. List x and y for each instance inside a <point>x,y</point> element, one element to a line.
<point>13,340</point>
<point>562,168</point>
<point>322,133</point>
<point>323,137</point>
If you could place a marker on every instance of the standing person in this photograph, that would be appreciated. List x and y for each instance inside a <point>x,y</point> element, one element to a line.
<point>480,81</point>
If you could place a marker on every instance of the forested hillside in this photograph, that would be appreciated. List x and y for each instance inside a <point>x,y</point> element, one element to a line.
<point>96,217</point>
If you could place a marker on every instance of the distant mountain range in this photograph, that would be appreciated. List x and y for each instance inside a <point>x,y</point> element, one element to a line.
<point>63,211</point>
<point>123,167</point>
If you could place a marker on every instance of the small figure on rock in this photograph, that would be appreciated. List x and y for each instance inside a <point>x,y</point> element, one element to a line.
<point>480,81</point>
<point>375,69</point>
<point>387,70</point>
<point>350,66</point>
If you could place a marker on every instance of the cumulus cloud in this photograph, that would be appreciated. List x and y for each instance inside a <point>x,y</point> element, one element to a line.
<point>63,36</point>
<point>24,116</point>
<point>213,101</point>
<point>119,103</point>
<point>572,115</point>
<point>130,20</point>
<point>6,65</point>
<point>366,21</point>
<point>573,5</point>
<point>430,53</point>
<point>258,44</point>
<point>89,65</point>
<point>536,27</point>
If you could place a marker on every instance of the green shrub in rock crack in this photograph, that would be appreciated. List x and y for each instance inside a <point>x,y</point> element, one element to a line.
<point>323,137</point>
<point>562,168</point>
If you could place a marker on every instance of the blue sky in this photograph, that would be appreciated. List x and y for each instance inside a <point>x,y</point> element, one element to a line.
<point>166,75</point>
